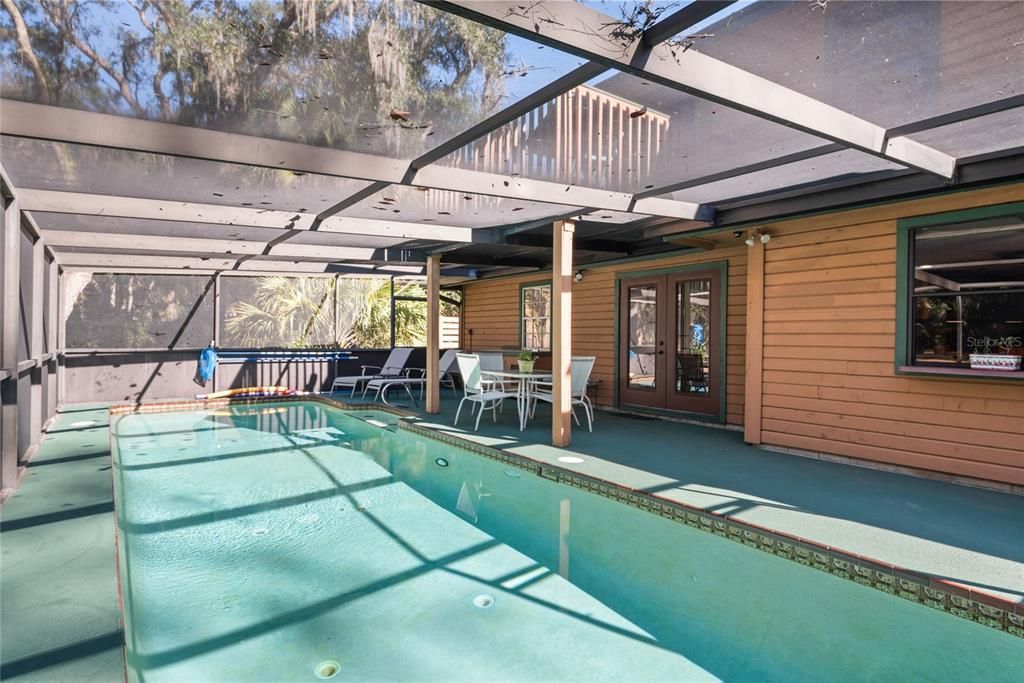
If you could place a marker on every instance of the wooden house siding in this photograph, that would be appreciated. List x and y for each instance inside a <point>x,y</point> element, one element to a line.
<point>491,311</point>
<point>829,381</point>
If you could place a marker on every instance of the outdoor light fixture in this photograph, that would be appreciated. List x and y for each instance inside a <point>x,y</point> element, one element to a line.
<point>756,236</point>
<point>578,277</point>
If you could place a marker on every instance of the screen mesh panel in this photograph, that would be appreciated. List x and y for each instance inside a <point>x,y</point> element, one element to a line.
<point>891,63</point>
<point>459,209</point>
<point>277,311</point>
<point>624,133</point>
<point>394,78</point>
<point>68,167</point>
<point>978,136</point>
<point>137,311</point>
<point>845,165</point>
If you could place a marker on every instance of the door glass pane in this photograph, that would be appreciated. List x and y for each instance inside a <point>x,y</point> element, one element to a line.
<point>693,336</point>
<point>643,330</point>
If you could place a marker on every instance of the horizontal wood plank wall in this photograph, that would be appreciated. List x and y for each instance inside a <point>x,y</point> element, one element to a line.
<point>829,346</point>
<point>491,311</point>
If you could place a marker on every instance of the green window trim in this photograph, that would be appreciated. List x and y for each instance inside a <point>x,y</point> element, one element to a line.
<point>903,361</point>
<point>523,286</point>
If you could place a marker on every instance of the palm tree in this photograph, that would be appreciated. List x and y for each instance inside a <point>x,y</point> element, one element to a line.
<point>286,311</point>
<point>299,311</point>
<point>372,328</point>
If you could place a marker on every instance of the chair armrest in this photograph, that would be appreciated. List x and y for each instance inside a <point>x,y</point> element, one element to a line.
<point>369,367</point>
<point>421,371</point>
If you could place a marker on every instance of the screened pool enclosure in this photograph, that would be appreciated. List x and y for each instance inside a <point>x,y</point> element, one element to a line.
<point>314,173</point>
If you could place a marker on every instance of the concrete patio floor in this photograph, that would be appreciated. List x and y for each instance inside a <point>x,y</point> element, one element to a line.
<point>59,607</point>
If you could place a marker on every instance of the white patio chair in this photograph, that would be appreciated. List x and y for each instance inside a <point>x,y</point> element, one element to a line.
<point>581,368</point>
<point>394,366</point>
<point>493,361</point>
<point>413,377</point>
<point>475,391</point>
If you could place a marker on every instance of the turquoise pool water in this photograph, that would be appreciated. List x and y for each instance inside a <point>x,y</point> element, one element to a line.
<point>279,542</point>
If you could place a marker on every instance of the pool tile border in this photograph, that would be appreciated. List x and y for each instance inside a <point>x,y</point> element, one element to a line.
<point>937,593</point>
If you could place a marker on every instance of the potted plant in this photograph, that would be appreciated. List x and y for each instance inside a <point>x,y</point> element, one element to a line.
<point>526,361</point>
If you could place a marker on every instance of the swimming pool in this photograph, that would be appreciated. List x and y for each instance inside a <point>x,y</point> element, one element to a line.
<point>288,541</point>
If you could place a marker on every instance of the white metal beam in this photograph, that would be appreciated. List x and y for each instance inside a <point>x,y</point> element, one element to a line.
<point>90,128</point>
<point>169,244</point>
<point>577,29</point>
<point>96,261</point>
<point>150,209</point>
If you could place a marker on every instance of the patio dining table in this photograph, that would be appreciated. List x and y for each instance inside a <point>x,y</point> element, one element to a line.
<point>526,381</point>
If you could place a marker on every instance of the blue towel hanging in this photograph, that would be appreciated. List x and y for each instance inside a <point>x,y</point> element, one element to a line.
<point>207,366</point>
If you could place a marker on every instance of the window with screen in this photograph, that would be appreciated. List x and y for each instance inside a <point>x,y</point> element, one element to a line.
<point>535,302</point>
<point>966,298</point>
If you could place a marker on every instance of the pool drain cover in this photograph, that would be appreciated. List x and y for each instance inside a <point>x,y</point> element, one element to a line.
<point>328,669</point>
<point>483,601</point>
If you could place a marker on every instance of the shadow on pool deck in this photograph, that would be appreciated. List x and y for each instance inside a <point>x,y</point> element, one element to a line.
<point>970,535</point>
<point>58,599</point>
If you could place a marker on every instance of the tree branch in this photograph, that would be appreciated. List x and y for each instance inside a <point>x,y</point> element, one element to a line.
<point>162,68</point>
<point>86,49</point>
<point>41,89</point>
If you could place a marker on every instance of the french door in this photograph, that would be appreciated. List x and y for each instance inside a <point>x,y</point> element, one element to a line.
<point>670,349</point>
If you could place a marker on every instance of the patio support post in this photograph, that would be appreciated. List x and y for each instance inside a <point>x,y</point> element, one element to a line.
<point>60,332</point>
<point>216,323</point>
<point>753,386</point>
<point>53,319</point>
<point>36,342</point>
<point>392,317</point>
<point>433,333</point>
<point>561,333</point>
<point>9,386</point>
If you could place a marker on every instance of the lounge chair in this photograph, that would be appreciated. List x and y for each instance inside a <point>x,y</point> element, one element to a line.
<point>447,367</point>
<point>394,366</point>
<point>475,391</point>
<point>415,377</point>
<point>381,385</point>
<point>581,366</point>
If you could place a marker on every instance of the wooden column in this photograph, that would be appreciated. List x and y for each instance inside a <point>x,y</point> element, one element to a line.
<point>753,387</point>
<point>561,333</point>
<point>36,340</point>
<point>433,333</point>
<point>11,274</point>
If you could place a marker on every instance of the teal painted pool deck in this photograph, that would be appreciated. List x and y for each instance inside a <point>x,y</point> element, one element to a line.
<point>59,612</point>
<point>58,597</point>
